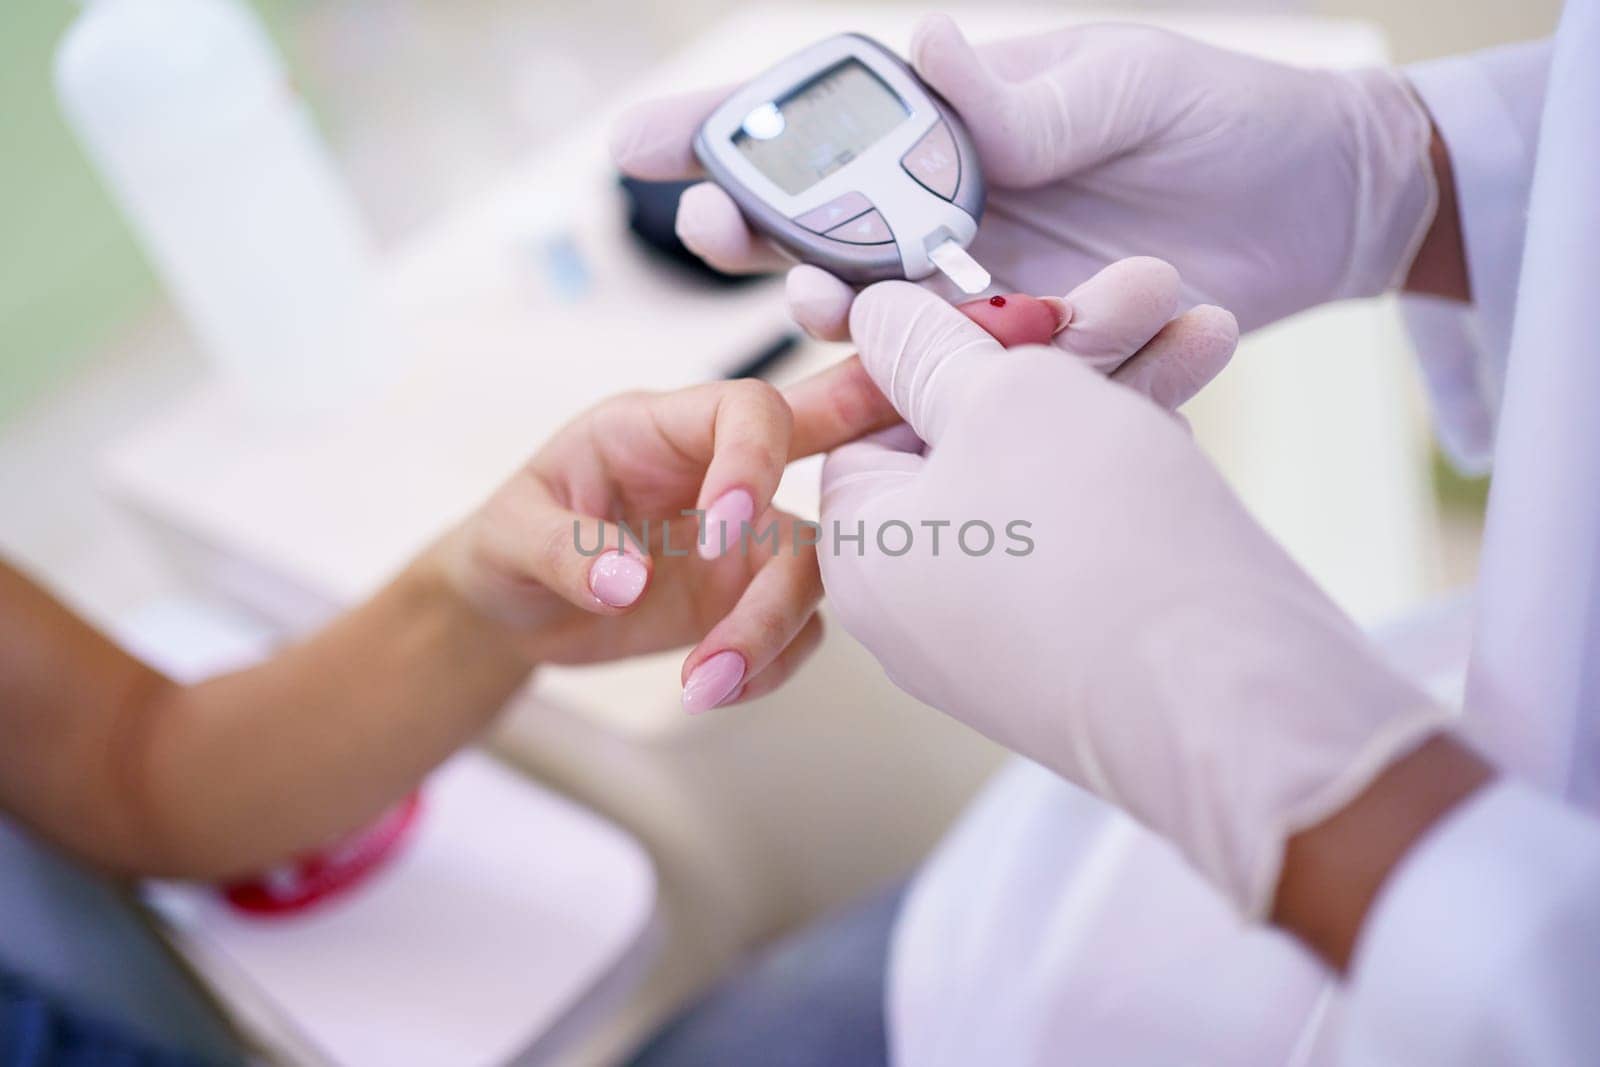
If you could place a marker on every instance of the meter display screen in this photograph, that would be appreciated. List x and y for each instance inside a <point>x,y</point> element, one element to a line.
<point>821,126</point>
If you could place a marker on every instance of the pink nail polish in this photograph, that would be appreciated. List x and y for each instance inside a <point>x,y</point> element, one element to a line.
<point>724,521</point>
<point>1061,309</point>
<point>617,579</point>
<point>713,682</point>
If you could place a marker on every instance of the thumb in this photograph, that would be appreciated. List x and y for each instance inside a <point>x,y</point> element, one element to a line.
<point>943,57</point>
<point>523,546</point>
<point>1039,109</point>
<point>862,471</point>
<point>654,140</point>
<point>859,481</point>
<point>923,354</point>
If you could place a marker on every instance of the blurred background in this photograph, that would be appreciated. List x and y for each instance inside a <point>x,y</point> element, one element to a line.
<point>423,102</point>
<point>444,118</point>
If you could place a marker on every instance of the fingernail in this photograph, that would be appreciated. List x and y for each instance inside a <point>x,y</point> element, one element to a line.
<point>712,682</point>
<point>1060,309</point>
<point>723,521</point>
<point>617,579</point>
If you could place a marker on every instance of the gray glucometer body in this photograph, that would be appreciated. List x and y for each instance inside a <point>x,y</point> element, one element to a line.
<point>846,160</point>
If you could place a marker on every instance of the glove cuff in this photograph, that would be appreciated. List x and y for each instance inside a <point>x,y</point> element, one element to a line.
<point>1258,710</point>
<point>1397,192</point>
<point>1395,739</point>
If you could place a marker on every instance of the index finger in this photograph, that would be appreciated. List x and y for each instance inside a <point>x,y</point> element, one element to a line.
<point>655,140</point>
<point>842,403</point>
<point>740,431</point>
<point>836,406</point>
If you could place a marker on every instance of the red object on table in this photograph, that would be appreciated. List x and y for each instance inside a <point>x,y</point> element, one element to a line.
<point>306,881</point>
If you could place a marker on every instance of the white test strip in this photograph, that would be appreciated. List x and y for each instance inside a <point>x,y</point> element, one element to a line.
<point>967,273</point>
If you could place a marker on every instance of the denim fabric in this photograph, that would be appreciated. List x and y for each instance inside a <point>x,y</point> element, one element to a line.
<point>37,1030</point>
<point>72,937</point>
<point>814,999</point>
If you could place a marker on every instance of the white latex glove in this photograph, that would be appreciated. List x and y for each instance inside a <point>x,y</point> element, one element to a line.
<point>1155,646</point>
<point>1271,188</point>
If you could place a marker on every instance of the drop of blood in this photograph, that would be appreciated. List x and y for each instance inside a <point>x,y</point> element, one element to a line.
<point>997,301</point>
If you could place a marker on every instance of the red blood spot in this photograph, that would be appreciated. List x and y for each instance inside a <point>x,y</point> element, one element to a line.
<point>997,301</point>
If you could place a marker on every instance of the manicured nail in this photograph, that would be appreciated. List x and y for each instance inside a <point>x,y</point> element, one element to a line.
<point>617,579</point>
<point>712,682</point>
<point>1060,309</point>
<point>723,522</point>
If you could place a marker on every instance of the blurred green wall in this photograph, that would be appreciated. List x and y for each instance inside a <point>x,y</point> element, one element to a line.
<point>70,273</point>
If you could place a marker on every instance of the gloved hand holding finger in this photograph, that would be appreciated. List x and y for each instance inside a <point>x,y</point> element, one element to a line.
<point>773,626</point>
<point>907,337</point>
<point>1122,317</point>
<point>1119,310</point>
<point>1188,353</point>
<point>1018,319</point>
<point>1153,644</point>
<point>842,403</point>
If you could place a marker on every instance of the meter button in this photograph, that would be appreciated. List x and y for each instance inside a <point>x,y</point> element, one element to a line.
<point>933,161</point>
<point>868,229</point>
<point>831,214</point>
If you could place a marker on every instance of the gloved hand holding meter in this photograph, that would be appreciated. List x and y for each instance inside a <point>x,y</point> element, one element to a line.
<point>1270,188</point>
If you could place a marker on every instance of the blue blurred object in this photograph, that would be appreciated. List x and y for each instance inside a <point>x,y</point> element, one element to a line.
<point>566,271</point>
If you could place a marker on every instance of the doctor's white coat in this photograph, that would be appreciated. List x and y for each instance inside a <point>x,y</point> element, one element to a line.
<point>1048,930</point>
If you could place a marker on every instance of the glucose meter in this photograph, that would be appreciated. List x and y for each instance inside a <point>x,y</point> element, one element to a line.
<point>846,160</point>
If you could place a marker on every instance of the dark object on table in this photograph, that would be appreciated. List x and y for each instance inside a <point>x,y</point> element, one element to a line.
<point>762,364</point>
<point>652,211</point>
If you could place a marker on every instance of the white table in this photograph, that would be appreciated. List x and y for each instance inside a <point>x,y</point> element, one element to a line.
<point>505,919</point>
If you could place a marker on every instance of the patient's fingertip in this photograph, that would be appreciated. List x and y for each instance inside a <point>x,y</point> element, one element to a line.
<point>713,682</point>
<point>1015,319</point>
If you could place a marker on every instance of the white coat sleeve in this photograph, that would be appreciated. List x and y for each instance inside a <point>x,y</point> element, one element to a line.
<point>1487,107</point>
<point>1484,948</point>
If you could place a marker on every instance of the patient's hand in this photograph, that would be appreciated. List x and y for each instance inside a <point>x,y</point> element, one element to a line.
<point>530,557</point>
